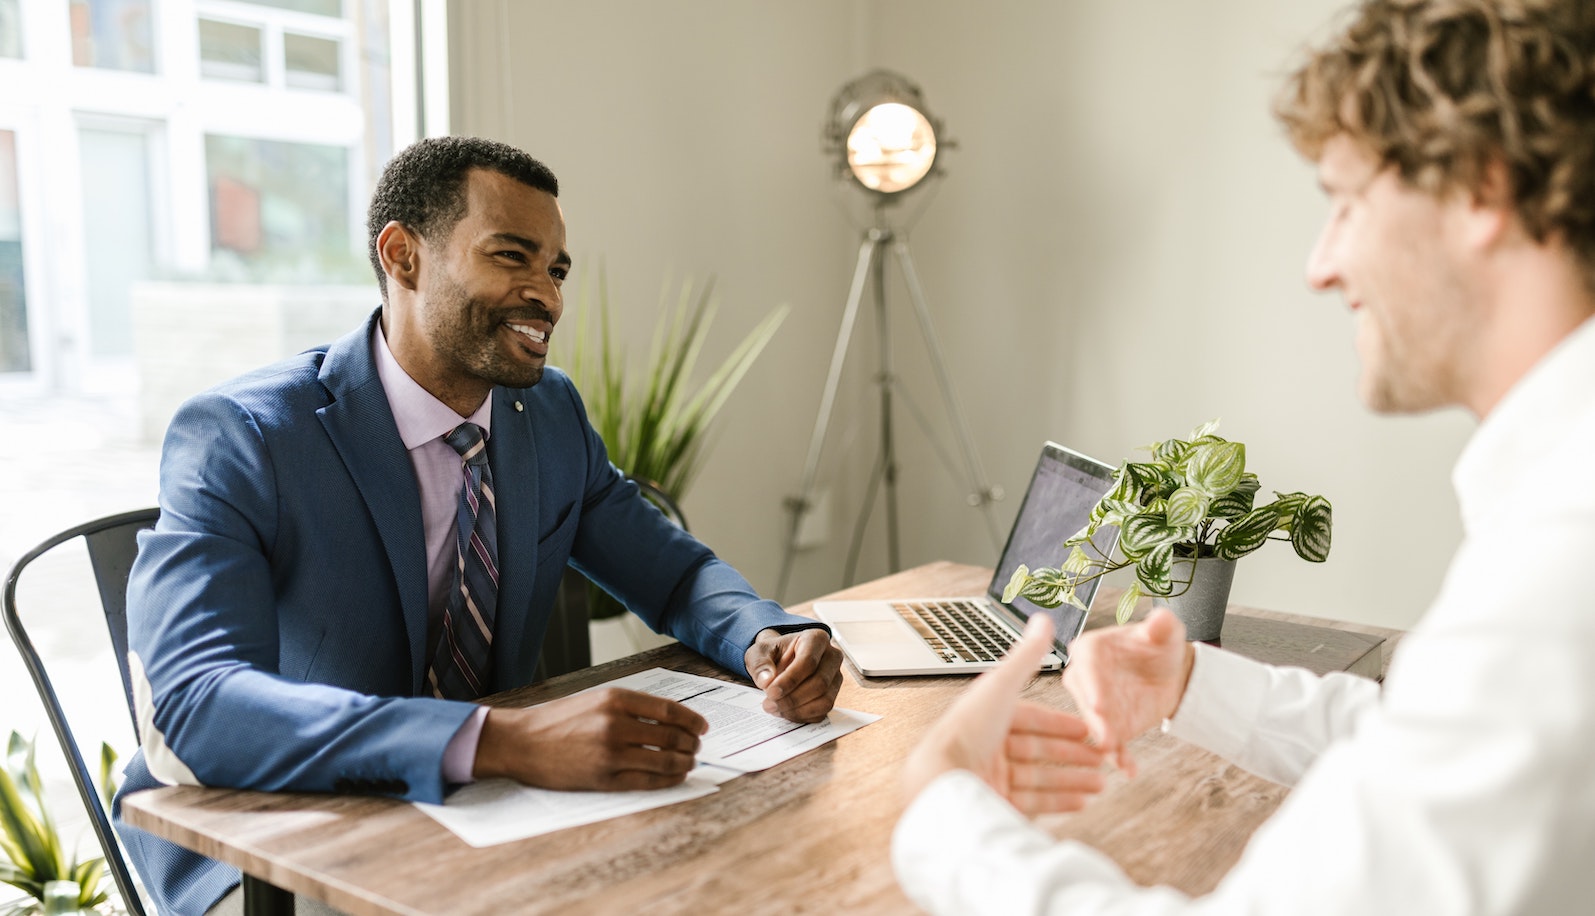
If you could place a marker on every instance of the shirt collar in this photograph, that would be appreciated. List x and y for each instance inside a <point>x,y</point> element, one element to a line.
<point>1527,424</point>
<point>420,416</point>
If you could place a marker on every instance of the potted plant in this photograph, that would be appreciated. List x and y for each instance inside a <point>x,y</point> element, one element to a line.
<point>38,863</point>
<point>654,417</point>
<point>1184,518</point>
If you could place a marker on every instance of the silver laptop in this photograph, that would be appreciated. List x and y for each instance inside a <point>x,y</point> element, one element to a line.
<point>891,638</point>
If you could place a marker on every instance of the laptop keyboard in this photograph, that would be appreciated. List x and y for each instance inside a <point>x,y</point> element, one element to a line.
<point>956,630</point>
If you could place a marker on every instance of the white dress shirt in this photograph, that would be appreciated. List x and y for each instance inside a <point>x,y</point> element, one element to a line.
<point>1466,786</point>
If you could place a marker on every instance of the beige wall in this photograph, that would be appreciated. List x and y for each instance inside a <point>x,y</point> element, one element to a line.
<point>1115,255</point>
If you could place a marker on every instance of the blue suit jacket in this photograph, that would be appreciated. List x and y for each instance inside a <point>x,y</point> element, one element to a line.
<point>277,613</point>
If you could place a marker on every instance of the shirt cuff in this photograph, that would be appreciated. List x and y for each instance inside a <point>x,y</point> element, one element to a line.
<point>1222,702</point>
<point>961,848</point>
<point>459,758</point>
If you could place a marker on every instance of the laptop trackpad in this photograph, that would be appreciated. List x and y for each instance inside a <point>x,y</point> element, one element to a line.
<point>870,632</point>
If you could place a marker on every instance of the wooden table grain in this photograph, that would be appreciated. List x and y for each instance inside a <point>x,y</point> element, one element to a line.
<point>809,835</point>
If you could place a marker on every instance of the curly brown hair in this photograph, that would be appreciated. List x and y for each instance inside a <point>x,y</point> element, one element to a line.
<point>1441,89</point>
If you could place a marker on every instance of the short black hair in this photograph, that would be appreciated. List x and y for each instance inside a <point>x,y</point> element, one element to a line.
<point>423,187</point>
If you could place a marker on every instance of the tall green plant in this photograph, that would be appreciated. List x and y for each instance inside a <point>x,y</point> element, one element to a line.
<point>654,416</point>
<point>38,861</point>
<point>1194,499</point>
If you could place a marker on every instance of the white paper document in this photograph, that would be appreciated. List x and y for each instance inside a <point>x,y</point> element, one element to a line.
<point>742,738</point>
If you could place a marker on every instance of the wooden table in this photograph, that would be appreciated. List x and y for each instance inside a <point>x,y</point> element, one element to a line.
<point>811,834</point>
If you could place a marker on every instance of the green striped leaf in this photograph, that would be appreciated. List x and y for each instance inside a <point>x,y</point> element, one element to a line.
<point>1127,602</point>
<point>1077,563</point>
<point>1116,511</point>
<point>1206,429</point>
<point>1238,501</point>
<point>1046,587</point>
<point>1309,532</point>
<point>1150,480</point>
<point>1171,451</point>
<point>1216,467</point>
<point>1016,583</point>
<point>1286,505</point>
<point>1246,533</point>
<point>1083,535</point>
<point>1187,506</point>
<point>1153,570</point>
<point>1142,533</point>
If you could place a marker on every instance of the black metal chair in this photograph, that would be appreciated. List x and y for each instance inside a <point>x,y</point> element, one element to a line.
<point>112,543</point>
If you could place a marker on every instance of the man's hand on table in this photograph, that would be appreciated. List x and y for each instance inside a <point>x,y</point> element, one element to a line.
<point>609,739</point>
<point>1127,679</point>
<point>1034,756</point>
<point>800,673</point>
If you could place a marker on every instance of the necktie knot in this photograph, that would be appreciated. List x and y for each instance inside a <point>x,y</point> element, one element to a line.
<point>467,439</point>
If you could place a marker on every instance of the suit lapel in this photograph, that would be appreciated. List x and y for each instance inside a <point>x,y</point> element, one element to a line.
<point>360,424</point>
<point>512,454</point>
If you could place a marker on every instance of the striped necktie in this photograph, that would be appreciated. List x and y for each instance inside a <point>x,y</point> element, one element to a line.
<point>462,664</point>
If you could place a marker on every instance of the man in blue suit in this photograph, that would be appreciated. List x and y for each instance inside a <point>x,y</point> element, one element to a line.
<point>286,614</point>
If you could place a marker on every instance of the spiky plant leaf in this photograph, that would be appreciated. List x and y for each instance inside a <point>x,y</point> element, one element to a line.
<point>20,879</point>
<point>108,775</point>
<point>654,418</point>
<point>88,875</point>
<point>1309,532</point>
<point>32,789</point>
<point>24,845</point>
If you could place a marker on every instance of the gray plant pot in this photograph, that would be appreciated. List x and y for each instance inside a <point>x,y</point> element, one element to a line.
<point>1201,607</point>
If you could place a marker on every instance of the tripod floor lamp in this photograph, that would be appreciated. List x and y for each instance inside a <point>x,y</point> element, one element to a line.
<point>885,143</point>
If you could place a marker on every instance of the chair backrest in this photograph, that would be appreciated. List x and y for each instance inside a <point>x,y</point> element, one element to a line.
<point>112,543</point>
<point>657,495</point>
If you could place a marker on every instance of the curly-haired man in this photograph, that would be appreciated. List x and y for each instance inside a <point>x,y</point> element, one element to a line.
<point>1455,140</point>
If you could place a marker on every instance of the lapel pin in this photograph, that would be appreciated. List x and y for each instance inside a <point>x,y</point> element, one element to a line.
<point>518,407</point>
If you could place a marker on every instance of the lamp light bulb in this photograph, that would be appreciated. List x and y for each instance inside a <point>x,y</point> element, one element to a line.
<point>891,147</point>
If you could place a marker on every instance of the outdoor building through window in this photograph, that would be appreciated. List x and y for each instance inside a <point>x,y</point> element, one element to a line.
<point>13,293</point>
<point>113,35</point>
<point>227,142</point>
<point>10,28</point>
<point>281,210</point>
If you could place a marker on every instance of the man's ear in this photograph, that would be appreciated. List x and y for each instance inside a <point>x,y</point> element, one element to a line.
<point>400,252</point>
<point>1491,217</point>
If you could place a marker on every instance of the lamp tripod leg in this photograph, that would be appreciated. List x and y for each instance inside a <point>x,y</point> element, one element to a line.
<point>982,493</point>
<point>868,252</point>
<point>857,546</point>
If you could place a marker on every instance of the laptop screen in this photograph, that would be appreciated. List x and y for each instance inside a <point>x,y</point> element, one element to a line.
<point>1064,489</point>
